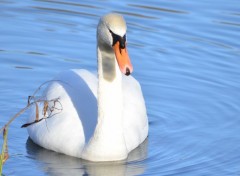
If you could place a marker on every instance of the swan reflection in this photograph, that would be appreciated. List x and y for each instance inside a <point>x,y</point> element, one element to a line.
<point>53,163</point>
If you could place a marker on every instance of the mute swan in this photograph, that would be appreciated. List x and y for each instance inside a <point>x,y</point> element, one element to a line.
<point>104,116</point>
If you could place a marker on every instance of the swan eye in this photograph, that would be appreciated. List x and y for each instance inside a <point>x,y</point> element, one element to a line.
<point>116,38</point>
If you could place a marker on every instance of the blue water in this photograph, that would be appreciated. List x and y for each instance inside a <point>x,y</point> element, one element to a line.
<point>186,55</point>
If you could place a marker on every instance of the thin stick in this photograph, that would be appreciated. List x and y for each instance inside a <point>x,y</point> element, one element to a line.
<point>4,154</point>
<point>19,113</point>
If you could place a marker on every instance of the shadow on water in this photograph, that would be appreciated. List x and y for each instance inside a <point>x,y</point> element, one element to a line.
<point>58,164</point>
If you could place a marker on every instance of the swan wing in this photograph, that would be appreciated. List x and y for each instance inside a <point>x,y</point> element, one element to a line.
<point>69,129</point>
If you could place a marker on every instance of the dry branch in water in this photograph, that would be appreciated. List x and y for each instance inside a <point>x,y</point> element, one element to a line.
<point>48,111</point>
<point>4,154</point>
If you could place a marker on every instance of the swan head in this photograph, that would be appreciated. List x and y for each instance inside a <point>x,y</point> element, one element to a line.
<point>111,33</point>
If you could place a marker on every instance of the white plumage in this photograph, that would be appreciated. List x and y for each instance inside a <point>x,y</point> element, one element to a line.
<point>103,116</point>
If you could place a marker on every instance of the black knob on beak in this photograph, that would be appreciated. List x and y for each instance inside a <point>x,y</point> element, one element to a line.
<point>127,71</point>
<point>122,43</point>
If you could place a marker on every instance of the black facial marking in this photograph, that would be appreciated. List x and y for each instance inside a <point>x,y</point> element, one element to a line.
<point>116,38</point>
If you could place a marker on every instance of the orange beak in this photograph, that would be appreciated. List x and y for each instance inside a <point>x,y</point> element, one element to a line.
<point>123,59</point>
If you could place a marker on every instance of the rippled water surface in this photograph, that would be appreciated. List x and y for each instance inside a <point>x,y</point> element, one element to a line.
<point>186,55</point>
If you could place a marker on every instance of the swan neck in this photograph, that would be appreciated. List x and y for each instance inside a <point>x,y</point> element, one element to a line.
<point>109,87</point>
<point>108,142</point>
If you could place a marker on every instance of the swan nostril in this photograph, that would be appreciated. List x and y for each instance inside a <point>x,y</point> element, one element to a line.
<point>127,71</point>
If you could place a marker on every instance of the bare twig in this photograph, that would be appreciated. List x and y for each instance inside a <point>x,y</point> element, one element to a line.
<point>32,100</point>
<point>45,109</point>
<point>19,113</point>
<point>4,153</point>
<point>33,97</point>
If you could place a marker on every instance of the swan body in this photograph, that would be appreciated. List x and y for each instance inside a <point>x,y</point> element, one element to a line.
<point>100,117</point>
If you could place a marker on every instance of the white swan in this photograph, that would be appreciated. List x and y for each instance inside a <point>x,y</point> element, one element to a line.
<point>102,119</point>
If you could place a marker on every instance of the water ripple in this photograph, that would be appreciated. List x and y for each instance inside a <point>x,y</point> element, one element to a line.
<point>185,55</point>
<point>229,23</point>
<point>158,9</point>
<point>52,10</point>
<point>134,14</point>
<point>71,4</point>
